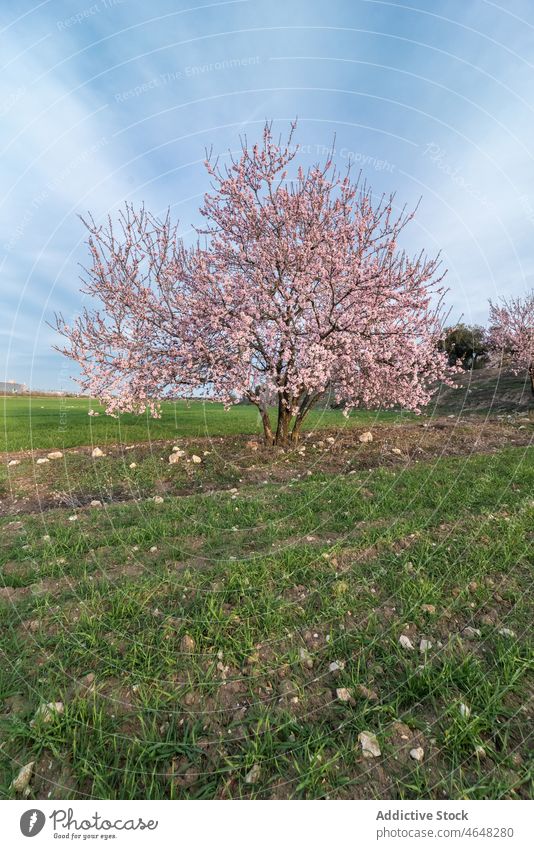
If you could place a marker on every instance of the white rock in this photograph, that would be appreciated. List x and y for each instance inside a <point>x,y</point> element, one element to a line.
<point>133,465</point>
<point>196,459</point>
<point>366,437</point>
<point>254,775</point>
<point>20,783</point>
<point>73,518</point>
<point>369,744</point>
<point>417,754</point>
<point>405,642</point>
<point>506,632</point>
<point>55,455</point>
<point>471,633</point>
<point>176,456</point>
<point>14,463</point>
<point>97,452</point>
<point>465,710</point>
<point>424,646</point>
<point>157,499</point>
<point>96,503</point>
<point>47,712</point>
<point>42,460</point>
<point>153,549</point>
<point>305,658</point>
<point>330,440</point>
<point>336,666</point>
<point>343,694</point>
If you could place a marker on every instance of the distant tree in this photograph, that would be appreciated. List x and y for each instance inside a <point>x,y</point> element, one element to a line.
<point>511,333</point>
<point>466,345</point>
<point>296,285</point>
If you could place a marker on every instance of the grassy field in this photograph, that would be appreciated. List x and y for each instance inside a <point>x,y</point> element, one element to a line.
<point>228,629</point>
<point>52,422</point>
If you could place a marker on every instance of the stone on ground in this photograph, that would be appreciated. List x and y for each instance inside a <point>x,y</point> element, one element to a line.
<point>305,658</point>
<point>20,783</point>
<point>343,694</point>
<point>254,775</point>
<point>369,744</point>
<point>187,644</point>
<point>471,633</point>
<point>47,712</point>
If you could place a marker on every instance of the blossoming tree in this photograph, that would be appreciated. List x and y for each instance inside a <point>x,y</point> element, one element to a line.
<point>294,287</point>
<point>511,332</point>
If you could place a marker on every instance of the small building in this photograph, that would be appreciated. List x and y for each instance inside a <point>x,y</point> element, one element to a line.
<point>10,387</point>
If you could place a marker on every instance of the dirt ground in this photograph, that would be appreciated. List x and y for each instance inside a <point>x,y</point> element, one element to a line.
<point>73,480</point>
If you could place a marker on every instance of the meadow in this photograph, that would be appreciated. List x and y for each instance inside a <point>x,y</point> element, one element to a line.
<point>239,626</point>
<point>28,422</point>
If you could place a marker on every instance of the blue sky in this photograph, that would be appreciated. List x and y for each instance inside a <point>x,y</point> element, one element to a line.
<point>107,101</point>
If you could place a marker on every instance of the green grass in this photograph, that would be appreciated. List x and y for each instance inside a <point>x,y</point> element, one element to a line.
<point>43,422</point>
<point>335,565</point>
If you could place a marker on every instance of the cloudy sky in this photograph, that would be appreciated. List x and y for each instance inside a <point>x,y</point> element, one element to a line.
<point>117,100</point>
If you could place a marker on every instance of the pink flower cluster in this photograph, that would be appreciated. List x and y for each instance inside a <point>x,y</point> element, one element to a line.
<point>511,332</point>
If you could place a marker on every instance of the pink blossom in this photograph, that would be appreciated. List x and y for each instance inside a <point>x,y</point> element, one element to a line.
<point>511,333</point>
<point>295,287</point>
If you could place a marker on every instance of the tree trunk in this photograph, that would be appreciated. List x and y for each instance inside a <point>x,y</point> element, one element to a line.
<point>295,433</point>
<point>282,428</point>
<point>531,375</point>
<point>305,407</point>
<point>267,429</point>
